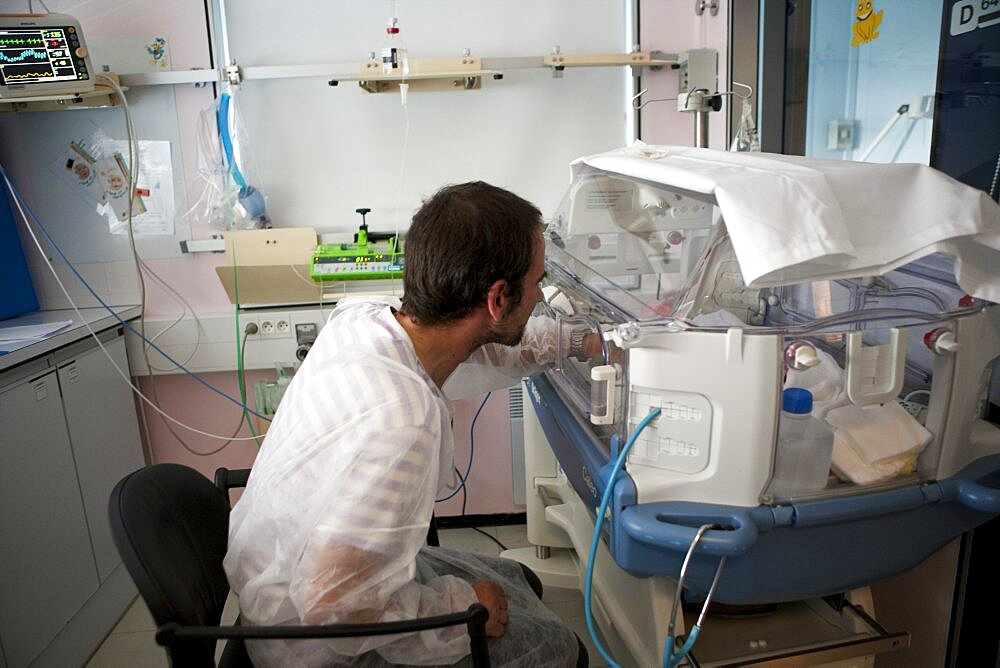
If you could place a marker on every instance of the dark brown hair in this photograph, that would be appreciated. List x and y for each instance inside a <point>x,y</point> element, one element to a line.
<point>462,240</point>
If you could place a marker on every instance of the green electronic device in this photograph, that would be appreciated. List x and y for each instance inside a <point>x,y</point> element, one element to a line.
<point>371,256</point>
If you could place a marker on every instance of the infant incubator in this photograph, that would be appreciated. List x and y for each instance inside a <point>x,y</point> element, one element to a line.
<point>825,415</point>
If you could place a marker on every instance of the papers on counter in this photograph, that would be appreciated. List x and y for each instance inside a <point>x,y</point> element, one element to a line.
<point>16,336</point>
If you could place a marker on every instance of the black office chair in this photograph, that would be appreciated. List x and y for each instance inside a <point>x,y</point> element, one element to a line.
<point>171,525</point>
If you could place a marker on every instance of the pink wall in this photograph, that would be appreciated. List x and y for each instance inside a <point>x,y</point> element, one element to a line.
<point>673,27</point>
<point>489,487</point>
<point>190,402</point>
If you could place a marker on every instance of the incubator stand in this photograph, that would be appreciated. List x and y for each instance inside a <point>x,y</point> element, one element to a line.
<point>898,366</point>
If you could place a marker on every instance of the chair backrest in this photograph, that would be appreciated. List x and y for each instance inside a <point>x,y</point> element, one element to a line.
<point>170,525</point>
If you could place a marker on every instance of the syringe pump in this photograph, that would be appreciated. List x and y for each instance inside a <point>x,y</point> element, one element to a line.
<point>372,255</point>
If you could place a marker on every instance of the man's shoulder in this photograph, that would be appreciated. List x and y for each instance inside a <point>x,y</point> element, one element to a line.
<point>367,304</point>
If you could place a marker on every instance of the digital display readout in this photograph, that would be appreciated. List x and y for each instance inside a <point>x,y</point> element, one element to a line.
<point>40,55</point>
<point>355,259</point>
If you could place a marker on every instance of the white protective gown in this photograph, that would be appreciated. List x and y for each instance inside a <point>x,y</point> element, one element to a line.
<point>333,522</point>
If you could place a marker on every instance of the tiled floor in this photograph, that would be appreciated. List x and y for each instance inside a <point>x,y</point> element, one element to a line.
<point>131,643</point>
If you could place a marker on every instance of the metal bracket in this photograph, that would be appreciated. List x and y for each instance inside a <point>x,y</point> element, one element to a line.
<point>233,74</point>
<point>712,5</point>
<point>424,74</point>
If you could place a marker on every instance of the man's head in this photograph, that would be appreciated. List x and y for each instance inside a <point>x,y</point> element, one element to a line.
<point>461,243</point>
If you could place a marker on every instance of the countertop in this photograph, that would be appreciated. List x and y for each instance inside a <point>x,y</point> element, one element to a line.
<point>98,319</point>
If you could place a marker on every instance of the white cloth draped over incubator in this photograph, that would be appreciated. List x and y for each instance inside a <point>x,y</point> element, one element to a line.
<point>793,219</point>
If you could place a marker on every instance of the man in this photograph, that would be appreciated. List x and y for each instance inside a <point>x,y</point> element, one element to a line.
<point>333,522</point>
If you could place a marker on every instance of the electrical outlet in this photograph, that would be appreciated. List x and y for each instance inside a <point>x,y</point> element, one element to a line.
<point>276,325</point>
<point>250,327</point>
<point>922,106</point>
<point>840,135</point>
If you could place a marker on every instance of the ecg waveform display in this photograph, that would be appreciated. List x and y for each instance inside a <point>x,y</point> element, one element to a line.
<point>38,55</point>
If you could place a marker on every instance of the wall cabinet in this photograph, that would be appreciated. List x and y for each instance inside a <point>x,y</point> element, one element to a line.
<point>69,433</point>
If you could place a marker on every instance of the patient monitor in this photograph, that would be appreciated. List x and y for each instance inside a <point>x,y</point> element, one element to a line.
<point>43,54</point>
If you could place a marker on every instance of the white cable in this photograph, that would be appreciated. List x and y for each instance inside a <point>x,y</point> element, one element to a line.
<point>399,187</point>
<point>186,307</point>
<point>883,132</point>
<point>916,392</point>
<point>996,180</point>
<point>93,334</point>
<point>133,181</point>
<point>133,155</point>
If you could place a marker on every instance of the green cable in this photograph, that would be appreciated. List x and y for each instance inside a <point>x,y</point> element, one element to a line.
<point>240,371</point>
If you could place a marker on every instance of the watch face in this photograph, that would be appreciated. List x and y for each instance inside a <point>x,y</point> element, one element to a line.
<point>576,344</point>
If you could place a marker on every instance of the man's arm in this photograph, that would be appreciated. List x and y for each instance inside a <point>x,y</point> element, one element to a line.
<point>351,571</point>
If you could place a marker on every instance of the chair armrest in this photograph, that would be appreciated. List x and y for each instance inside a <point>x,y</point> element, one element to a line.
<point>475,615</point>
<point>226,479</point>
<point>474,618</point>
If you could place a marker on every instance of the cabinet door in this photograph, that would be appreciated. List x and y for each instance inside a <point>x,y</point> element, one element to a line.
<point>47,568</point>
<point>104,432</point>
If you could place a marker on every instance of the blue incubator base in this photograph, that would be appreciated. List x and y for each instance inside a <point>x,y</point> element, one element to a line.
<point>774,553</point>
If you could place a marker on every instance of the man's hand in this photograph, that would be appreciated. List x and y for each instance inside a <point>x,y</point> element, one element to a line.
<point>491,595</point>
<point>593,349</point>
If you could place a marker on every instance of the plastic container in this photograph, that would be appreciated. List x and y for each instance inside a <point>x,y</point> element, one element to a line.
<point>805,445</point>
<point>395,58</point>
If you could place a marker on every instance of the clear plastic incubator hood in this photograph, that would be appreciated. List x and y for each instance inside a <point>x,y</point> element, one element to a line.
<point>730,279</point>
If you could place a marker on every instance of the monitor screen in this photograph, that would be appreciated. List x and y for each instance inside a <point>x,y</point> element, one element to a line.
<point>41,55</point>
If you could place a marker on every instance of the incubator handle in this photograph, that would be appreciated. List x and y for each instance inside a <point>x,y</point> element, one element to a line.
<point>976,496</point>
<point>602,400</point>
<point>888,362</point>
<point>673,526</point>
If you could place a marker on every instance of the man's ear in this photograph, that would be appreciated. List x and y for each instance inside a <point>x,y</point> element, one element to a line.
<point>498,300</point>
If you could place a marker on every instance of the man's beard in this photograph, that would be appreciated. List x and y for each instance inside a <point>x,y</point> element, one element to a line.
<point>506,336</point>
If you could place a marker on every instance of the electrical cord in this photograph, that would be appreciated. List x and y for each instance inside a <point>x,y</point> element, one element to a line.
<point>502,546</point>
<point>140,265</point>
<point>462,486</point>
<point>21,207</point>
<point>185,309</point>
<point>133,154</point>
<point>994,195</point>
<point>133,178</point>
<point>28,215</point>
<point>670,658</point>
<point>472,454</point>
<point>184,444</point>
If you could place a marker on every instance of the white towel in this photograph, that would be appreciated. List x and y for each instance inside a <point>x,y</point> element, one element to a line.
<point>846,463</point>
<point>794,219</point>
<point>879,434</point>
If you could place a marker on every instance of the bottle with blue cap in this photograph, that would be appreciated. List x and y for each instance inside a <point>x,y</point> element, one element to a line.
<point>804,448</point>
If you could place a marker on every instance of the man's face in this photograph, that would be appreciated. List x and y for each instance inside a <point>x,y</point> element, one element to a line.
<point>510,329</point>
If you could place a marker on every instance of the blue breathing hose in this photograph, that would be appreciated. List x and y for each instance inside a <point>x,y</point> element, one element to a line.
<point>222,121</point>
<point>602,510</point>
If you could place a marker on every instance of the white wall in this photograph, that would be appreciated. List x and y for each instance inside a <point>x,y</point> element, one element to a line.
<point>321,152</point>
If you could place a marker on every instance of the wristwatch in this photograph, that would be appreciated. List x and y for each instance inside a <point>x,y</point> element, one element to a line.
<point>576,349</point>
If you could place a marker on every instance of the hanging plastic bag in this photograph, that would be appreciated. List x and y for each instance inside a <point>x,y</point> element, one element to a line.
<point>746,132</point>
<point>227,201</point>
